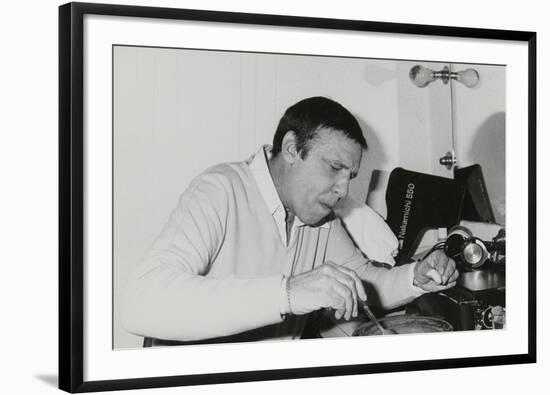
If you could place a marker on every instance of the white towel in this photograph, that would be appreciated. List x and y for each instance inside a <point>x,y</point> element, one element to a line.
<point>369,231</point>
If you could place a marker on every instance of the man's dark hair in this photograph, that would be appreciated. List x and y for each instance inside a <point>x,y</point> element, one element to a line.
<point>306,117</point>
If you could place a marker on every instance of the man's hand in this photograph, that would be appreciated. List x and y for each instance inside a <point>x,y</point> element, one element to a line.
<point>435,273</point>
<point>330,286</point>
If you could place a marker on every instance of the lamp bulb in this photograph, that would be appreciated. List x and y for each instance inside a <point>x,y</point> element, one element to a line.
<point>421,76</point>
<point>468,77</point>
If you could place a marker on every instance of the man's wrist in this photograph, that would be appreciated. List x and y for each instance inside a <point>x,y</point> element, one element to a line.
<point>414,271</point>
<point>284,297</point>
<point>287,289</point>
<point>413,281</point>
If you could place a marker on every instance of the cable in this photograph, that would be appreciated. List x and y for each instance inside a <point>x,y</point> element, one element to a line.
<point>437,246</point>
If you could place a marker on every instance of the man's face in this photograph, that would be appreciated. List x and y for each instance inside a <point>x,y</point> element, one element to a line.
<point>320,180</point>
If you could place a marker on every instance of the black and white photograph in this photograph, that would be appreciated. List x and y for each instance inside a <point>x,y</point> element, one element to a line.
<point>275,197</point>
<point>251,197</point>
<point>270,197</point>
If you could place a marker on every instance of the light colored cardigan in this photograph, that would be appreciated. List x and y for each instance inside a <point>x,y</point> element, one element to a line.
<point>216,268</point>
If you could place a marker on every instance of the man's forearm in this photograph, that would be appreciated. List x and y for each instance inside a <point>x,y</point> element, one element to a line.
<point>170,304</point>
<point>391,287</point>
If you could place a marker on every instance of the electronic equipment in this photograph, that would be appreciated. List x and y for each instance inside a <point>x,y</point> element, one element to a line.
<point>478,300</point>
<point>476,205</point>
<point>471,252</point>
<point>465,309</point>
<point>417,202</point>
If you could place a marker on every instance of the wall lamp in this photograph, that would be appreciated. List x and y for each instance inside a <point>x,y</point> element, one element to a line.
<point>421,76</point>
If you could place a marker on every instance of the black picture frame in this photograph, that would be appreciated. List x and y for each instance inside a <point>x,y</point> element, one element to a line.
<point>71,195</point>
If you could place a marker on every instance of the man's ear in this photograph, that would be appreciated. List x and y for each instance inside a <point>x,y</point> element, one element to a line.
<point>289,148</point>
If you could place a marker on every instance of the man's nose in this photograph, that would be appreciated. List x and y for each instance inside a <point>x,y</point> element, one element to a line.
<point>341,187</point>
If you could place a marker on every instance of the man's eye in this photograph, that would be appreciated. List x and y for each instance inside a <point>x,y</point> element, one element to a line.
<point>336,168</point>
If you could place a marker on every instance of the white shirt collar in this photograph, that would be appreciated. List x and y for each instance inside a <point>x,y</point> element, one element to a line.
<point>260,170</point>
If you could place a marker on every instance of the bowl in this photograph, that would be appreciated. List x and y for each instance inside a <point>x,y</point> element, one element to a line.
<point>403,324</point>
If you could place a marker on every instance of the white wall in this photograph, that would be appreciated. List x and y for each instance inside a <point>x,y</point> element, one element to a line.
<point>28,158</point>
<point>480,127</point>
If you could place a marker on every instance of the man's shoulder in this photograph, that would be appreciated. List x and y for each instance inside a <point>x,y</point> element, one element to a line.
<point>227,172</point>
<point>338,229</point>
<point>226,177</point>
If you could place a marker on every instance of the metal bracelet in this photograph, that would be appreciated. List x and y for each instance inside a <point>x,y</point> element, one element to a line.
<point>288,295</point>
